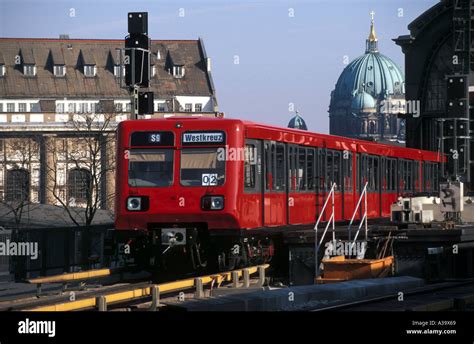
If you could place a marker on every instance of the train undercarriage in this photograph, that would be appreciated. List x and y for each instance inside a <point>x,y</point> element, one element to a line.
<point>184,249</point>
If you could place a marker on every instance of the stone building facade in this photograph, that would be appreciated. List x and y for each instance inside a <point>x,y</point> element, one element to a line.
<point>60,102</point>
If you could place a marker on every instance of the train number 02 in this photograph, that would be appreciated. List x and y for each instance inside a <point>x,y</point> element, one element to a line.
<point>209,179</point>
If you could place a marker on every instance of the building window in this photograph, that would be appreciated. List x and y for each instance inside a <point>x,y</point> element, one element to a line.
<point>59,71</point>
<point>22,107</point>
<point>129,107</point>
<point>117,71</point>
<point>60,108</point>
<point>17,185</point>
<point>161,107</point>
<point>89,71</point>
<point>34,107</point>
<point>118,107</point>
<point>10,107</point>
<point>198,107</point>
<point>188,107</point>
<point>72,107</point>
<point>29,70</point>
<point>79,185</point>
<point>178,71</point>
<point>2,70</point>
<point>1,107</point>
<point>83,107</point>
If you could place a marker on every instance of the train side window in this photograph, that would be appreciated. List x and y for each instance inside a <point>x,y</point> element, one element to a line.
<point>391,174</point>
<point>416,176</point>
<point>268,166</point>
<point>358,172</point>
<point>310,168</point>
<point>430,177</point>
<point>322,166</point>
<point>364,172</point>
<point>301,172</point>
<point>406,175</point>
<point>394,175</point>
<point>401,175</point>
<point>337,169</point>
<point>347,171</point>
<point>376,181</point>
<point>292,170</point>
<point>409,171</point>
<point>329,170</point>
<point>279,182</point>
<point>250,166</point>
<point>435,167</point>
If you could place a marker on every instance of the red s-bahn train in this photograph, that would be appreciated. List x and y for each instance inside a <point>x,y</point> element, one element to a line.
<point>217,192</point>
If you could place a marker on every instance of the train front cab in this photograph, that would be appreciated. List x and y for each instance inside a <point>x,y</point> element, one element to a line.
<point>177,184</point>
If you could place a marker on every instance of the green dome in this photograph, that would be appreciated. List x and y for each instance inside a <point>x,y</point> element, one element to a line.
<point>297,122</point>
<point>363,100</point>
<point>371,73</point>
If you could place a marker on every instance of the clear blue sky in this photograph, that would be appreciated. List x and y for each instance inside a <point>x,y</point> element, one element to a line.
<point>283,59</point>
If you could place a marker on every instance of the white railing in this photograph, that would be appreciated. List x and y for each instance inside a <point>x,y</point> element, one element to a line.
<point>363,222</point>
<point>331,221</point>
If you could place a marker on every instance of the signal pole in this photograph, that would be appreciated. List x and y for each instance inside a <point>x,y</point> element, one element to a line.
<point>137,64</point>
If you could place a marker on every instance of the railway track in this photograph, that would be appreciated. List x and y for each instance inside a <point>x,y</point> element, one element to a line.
<point>139,296</point>
<point>446,296</point>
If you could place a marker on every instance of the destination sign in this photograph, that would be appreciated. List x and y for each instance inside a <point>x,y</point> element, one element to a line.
<point>152,138</point>
<point>194,138</point>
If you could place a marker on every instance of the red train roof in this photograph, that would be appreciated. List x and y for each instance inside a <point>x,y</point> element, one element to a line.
<point>302,137</point>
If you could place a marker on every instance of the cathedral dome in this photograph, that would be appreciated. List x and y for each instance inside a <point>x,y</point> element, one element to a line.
<point>297,122</point>
<point>358,106</point>
<point>373,73</point>
<point>363,100</point>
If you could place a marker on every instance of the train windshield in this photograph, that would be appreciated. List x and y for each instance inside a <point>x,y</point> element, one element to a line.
<point>150,167</point>
<point>202,166</point>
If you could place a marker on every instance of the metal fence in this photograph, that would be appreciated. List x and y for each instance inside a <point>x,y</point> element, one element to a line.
<point>57,250</point>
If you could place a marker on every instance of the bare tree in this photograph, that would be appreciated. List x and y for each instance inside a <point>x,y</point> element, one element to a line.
<point>17,161</point>
<point>81,165</point>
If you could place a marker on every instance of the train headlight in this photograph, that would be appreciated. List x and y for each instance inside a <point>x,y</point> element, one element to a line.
<point>134,204</point>
<point>212,203</point>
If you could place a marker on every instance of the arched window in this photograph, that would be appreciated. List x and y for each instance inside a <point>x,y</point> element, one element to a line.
<point>79,184</point>
<point>372,128</point>
<point>17,185</point>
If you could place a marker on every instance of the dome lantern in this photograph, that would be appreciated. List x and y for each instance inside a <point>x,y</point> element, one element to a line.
<point>372,43</point>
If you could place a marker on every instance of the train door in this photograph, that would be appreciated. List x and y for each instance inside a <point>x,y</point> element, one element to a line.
<point>348,184</point>
<point>301,184</point>
<point>369,173</point>
<point>274,191</point>
<point>320,180</point>
<point>333,176</point>
<point>251,201</point>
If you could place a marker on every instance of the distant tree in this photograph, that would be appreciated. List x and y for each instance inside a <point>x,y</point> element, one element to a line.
<point>16,199</point>
<point>80,187</point>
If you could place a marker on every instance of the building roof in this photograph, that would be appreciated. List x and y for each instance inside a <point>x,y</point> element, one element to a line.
<point>74,53</point>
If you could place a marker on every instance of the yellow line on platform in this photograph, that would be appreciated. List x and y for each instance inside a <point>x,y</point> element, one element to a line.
<point>73,276</point>
<point>142,292</point>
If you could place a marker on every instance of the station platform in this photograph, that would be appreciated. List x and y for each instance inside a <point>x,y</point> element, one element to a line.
<point>302,297</point>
